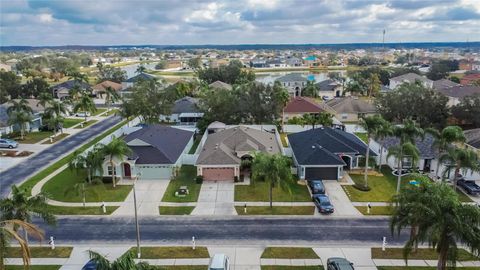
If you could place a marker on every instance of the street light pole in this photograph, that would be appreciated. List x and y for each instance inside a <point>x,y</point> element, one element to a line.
<point>137,227</point>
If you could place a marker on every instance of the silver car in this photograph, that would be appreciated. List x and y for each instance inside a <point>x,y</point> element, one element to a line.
<point>6,143</point>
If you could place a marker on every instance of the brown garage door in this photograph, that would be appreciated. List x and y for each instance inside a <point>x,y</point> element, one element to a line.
<point>214,174</point>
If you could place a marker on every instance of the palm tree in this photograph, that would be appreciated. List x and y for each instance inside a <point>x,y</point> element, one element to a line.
<point>21,118</point>
<point>399,152</point>
<point>443,139</point>
<point>7,233</point>
<point>85,104</point>
<point>383,132</point>
<point>44,99</point>
<point>91,162</point>
<point>111,96</point>
<point>78,77</point>
<point>371,124</point>
<point>141,69</point>
<point>458,159</point>
<point>310,90</point>
<point>19,106</point>
<point>274,169</point>
<point>124,262</point>
<point>323,118</point>
<point>117,148</point>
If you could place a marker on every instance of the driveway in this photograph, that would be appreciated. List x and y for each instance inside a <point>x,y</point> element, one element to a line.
<point>343,205</point>
<point>241,258</point>
<point>149,196</point>
<point>216,198</point>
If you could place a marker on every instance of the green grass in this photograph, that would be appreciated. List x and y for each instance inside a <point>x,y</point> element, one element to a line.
<point>33,267</point>
<point>57,138</point>
<point>32,137</point>
<point>185,178</point>
<point>283,138</point>
<point>111,112</point>
<point>195,145</point>
<point>86,124</point>
<point>276,210</point>
<point>421,254</point>
<point>41,252</point>
<point>176,210</point>
<point>79,210</point>
<point>376,210</point>
<point>291,267</point>
<point>185,252</point>
<point>70,122</point>
<point>362,136</point>
<point>99,111</point>
<point>289,253</point>
<point>32,181</point>
<point>258,191</point>
<point>58,188</point>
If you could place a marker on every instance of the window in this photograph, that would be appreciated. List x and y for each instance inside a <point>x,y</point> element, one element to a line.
<point>407,162</point>
<point>110,171</point>
<point>344,116</point>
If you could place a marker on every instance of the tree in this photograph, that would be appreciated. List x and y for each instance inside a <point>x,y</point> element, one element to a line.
<point>111,96</point>
<point>19,113</point>
<point>44,99</point>
<point>273,169</point>
<point>110,73</point>
<point>383,132</point>
<point>233,73</point>
<point>35,87</point>
<point>85,104</point>
<point>117,148</point>
<point>195,63</point>
<point>7,233</point>
<point>310,90</point>
<point>78,77</point>
<point>444,138</point>
<point>141,69</point>
<point>414,101</point>
<point>374,84</point>
<point>124,262</point>
<point>323,118</point>
<point>91,162</point>
<point>440,69</point>
<point>440,219</point>
<point>468,110</point>
<point>9,86</point>
<point>459,159</point>
<point>371,124</point>
<point>454,79</point>
<point>53,115</point>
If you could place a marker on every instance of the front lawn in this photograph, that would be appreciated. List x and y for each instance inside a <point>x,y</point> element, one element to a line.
<point>59,186</point>
<point>40,252</point>
<point>70,122</point>
<point>185,178</point>
<point>376,210</point>
<point>85,124</point>
<point>421,254</point>
<point>32,137</point>
<point>258,191</point>
<point>57,138</point>
<point>291,267</point>
<point>111,112</point>
<point>176,210</point>
<point>276,210</point>
<point>185,252</point>
<point>289,253</point>
<point>80,210</point>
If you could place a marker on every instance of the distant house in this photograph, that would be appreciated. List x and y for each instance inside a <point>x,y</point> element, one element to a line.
<point>222,153</point>
<point>62,90</point>
<point>219,85</point>
<point>311,61</point>
<point>476,66</point>
<point>324,153</point>
<point>473,138</point>
<point>34,125</point>
<point>294,83</point>
<point>299,106</point>
<point>101,88</point>
<point>329,89</point>
<point>157,151</point>
<point>444,83</point>
<point>185,111</point>
<point>142,76</point>
<point>258,63</point>
<point>410,78</point>
<point>470,79</point>
<point>275,63</point>
<point>455,94</point>
<point>351,109</point>
<point>4,67</point>
<point>293,62</point>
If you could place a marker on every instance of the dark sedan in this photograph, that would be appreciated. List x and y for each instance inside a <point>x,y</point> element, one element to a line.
<point>469,186</point>
<point>316,186</point>
<point>339,264</point>
<point>323,204</point>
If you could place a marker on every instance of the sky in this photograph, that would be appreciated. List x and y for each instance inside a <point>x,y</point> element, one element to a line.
<point>194,22</point>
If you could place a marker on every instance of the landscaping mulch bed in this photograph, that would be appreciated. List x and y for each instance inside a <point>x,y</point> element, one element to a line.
<point>7,153</point>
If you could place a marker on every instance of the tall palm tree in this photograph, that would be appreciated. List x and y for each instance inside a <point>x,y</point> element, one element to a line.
<point>117,148</point>
<point>444,138</point>
<point>21,118</point>
<point>124,262</point>
<point>78,77</point>
<point>7,233</point>
<point>383,132</point>
<point>371,125</point>
<point>323,118</point>
<point>273,169</point>
<point>399,152</point>
<point>86,104</point>
<point>457,159</point>
<point>20,105</point>
<point>310,90</point>
<point>91,162</point>
<point>111,96</point>
<point>141,69</point>
<point>44,99</point>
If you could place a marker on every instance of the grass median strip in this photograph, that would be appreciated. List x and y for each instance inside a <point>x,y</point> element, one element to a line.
<point>176,210</point>
<point>85,124</point>
<point>31,137</point>
<point>289,253</point>
<point>258,192</point>
<point>80,210</point>
<point>420,254</point>
<point>57,138</point>
<point>70,122</point>
<point>291,267</point>
<point>276,210</point>
<point>172,252</point>
<point>376,210</point>
<point>40,252</point>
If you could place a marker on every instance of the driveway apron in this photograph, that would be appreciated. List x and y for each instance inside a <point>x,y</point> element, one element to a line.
<point>216,198</point>
<point>149,195</point>
<point>343,205</point>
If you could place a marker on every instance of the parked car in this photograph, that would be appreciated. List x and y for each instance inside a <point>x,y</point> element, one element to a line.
<point>323,204</point>
<point>90,265</point>
<point>82,114</point>
<point>6,143</point>
<point>469,186</point>
<point>219,262</point>
<point>339,264</point>
<point>316,186</point>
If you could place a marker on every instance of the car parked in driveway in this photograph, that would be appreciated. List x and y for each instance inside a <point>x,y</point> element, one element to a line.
<point>323,204</point>
<point>316,186</point>
<point>82,114</point>
<point>7,143</point>
<point>90,265</point>
<point>219,262</point>
<point>469,186</point>
<point>337,263</point>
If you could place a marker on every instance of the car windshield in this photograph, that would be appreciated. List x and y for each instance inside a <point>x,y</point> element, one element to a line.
<point>317,185</point>
<point>323,201</point>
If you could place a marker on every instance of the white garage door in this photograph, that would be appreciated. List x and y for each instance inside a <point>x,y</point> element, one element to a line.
<point>155,172</point>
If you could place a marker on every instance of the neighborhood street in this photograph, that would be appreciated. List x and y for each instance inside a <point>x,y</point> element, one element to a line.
<point>238,230</point>
<point>20,172</point>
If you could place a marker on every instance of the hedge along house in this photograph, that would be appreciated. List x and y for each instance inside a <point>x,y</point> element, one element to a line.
<point>221,155</point>
<point>157,151</point>
<point>324,153</point>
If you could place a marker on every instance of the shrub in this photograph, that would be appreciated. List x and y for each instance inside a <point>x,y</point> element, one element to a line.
<point>361,187</point>
<point>235,179</point>
<point>199,179</point>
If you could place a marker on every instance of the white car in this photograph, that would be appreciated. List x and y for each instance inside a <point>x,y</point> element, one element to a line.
<point>82,114</point>
<point>219,262</point>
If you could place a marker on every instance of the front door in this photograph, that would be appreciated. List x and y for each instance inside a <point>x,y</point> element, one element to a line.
<point>126,170</point>
<point>427,165</point>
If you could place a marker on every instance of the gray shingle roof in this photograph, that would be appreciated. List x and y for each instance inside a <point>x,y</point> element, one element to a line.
<point>425,146</point>
<point>443,83</point>
<point>220,85</point>
<point>410,77</point>
<point>71,83</point>
<point>327,85</point>
<point>158,144</point>
<point>292,77</point>
<point>473,137</point>
<point>459,91</point>
<point>186,105</point>
<point>141,76</point>
<point>351,105</point>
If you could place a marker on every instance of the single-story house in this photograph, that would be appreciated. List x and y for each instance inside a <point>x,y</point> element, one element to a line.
<point>219,85</point>
<point>298,106</point>
<point>444,83</point>
<point>324,153</point>
<point>410,78</point>
<point>185,111</point>
<point>62,90</point>
<point>473,138</point>
<point>351,109</point>
<point>455,94</point>
<point>157,152</point>
<point>294,83</point>
<point>34,125</point>
<point>101,88</point>
<point>329,89</point>
<point>222,153</point>
<point>470,78</point>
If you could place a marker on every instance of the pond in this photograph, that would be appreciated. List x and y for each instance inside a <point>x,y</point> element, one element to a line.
<point>270,77</point>
<point>130,69</point>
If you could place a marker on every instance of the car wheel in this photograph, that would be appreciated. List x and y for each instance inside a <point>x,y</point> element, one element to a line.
<point>10,146</point>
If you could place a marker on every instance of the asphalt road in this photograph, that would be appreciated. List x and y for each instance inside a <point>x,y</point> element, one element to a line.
<point>20,172</point>
<point>223,231</point>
